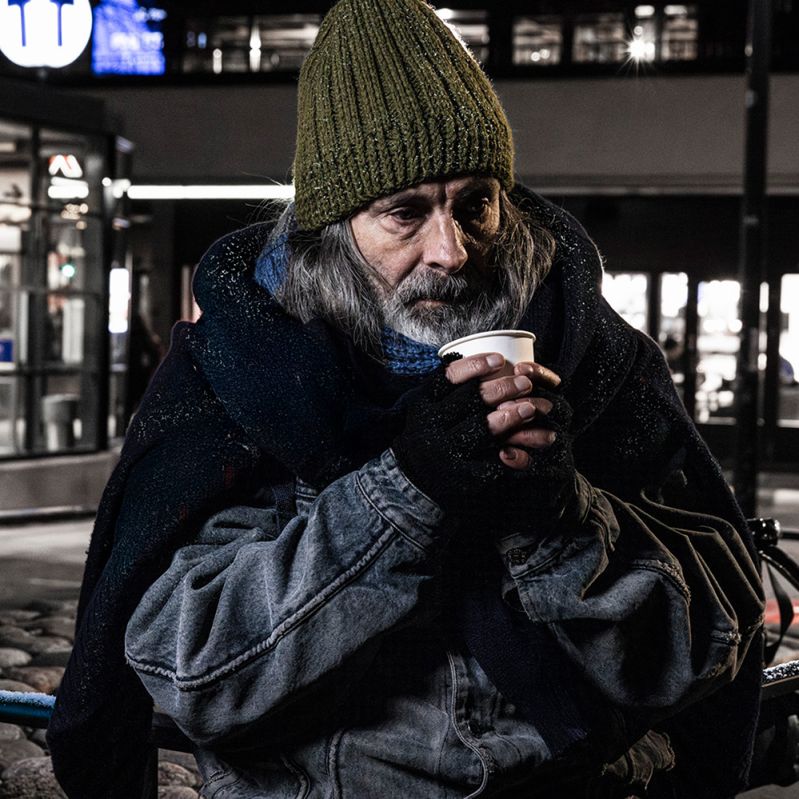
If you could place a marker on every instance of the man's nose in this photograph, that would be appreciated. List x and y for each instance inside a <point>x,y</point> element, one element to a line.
<point>444,246</point>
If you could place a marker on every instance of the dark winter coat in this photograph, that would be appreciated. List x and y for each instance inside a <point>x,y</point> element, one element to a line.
<point>249,397</point>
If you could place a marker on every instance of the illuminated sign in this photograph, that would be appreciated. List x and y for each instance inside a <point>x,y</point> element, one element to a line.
<point>128,39</point>
<point>6,350</point>
<point>44,33</point>
<point>65,165</point>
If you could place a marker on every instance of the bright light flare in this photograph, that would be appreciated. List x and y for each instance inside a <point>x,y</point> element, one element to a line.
<point>640,49</point>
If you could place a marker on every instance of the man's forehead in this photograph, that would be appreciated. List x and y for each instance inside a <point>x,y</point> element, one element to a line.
<point>441,189</point>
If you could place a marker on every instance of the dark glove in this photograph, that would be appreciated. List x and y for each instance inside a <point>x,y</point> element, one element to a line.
<point>537,497</point>
<point>446,449</point>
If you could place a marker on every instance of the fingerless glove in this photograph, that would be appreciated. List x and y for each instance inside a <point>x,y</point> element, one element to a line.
<point>539,496</point>
<point>446,449</point>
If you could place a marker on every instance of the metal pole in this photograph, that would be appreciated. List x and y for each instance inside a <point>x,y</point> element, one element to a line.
<point>752,251</point>
<point>690,355</point>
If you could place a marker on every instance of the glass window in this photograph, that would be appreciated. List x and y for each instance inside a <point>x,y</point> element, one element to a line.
<point>71,170</point>
<point>229,61</point>
<point>218,45</point>
<point>600,39</point>
<point>15,159</point>
<point>471,26</point>
<point>680,34</point>
<point>73,251</point>
<point>10,254</point>
<point>12,415</point>
<point>281,41</point>
<point>537,41</point>
<point>264,43</point>
<point>51,285</point>
<point>788,414</point>
<point>627,294</point>
<point>230,32</point>
<point>642,46</point>
<point>64,329</point>
<point>199,61</point>
<point>68,404</point>
<point>197,54</point>
<point>671,336</point>
<point>11,338</point>
<point>717,348</point>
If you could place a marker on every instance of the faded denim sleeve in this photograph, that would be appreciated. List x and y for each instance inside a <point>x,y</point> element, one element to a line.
<point>250,618</point>
<point>656,606</point>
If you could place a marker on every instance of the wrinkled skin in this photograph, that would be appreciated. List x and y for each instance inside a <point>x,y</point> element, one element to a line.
<point>447,227</point>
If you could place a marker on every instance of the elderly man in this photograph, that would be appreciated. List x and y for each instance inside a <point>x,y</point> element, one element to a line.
<point>347,569</point>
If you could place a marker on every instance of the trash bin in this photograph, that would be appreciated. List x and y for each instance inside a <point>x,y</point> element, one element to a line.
<point>59,412</point>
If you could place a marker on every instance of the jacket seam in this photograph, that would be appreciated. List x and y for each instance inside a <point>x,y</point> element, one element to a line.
<point>280,632</point>
<point>416,544</point>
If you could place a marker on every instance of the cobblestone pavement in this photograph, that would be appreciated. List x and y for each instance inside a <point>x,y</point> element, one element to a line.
<point>40,571</point>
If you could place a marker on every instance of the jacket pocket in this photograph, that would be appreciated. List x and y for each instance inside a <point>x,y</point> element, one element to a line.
<point>277,777</point>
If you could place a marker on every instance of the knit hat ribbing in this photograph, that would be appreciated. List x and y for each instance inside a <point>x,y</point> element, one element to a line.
<point>389,98</point>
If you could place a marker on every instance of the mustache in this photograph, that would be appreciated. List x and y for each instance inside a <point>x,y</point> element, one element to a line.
<point>432,286</point>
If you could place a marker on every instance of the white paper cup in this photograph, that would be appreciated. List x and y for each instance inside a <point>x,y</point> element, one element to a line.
<point>515,345</point>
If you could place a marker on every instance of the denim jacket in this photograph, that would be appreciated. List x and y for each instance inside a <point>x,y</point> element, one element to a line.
<point>312,657</point>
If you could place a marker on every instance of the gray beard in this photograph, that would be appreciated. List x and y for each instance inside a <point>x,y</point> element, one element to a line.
<point>473,302</point>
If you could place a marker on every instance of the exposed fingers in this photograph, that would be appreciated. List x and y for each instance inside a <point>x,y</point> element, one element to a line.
<point>540,375</point>
<point>502,389</point>
<point>532,438</point>
<point>465,369</point>
<point>514,458</point>
<point>503,420</point>
<point>541,405</point>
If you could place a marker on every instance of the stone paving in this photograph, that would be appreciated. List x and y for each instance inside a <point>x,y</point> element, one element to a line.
<point>40,571</point>
<point>35,642</point>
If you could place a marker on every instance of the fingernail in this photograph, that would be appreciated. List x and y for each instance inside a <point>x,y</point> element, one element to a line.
<point>522,383</point>
<point>509,453</point>
<point>526,410</point>
<point>551,437</point>
<point>494,360</point>
<point>525,368</point>
<point>551,375</point>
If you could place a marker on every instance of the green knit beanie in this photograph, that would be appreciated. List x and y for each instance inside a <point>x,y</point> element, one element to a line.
<point>388,98</point>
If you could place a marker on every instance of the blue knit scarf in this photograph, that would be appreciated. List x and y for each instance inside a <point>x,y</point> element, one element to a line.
<point>402,355</point>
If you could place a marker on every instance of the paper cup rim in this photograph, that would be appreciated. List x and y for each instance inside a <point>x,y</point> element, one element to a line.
<point>486,334</point>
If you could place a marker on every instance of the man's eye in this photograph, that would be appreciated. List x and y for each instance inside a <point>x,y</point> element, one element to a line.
<point>474,209</point>
<point>405,214</point>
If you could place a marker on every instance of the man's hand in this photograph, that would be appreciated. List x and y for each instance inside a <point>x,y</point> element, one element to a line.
<point>513,409</point>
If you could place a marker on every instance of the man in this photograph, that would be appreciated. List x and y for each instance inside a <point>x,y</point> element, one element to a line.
<point>347,569</point>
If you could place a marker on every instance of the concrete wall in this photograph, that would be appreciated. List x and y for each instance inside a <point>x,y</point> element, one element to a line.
<point>71,481</point>
<point>623,131</point>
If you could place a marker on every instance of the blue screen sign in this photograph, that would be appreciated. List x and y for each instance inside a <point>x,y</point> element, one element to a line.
<point>6,350</point>
<point>128,39</point>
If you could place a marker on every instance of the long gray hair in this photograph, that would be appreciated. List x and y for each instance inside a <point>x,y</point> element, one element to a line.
<point>327,277</point>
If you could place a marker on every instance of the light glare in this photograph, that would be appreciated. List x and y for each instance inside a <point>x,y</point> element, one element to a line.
<point>641,49</point>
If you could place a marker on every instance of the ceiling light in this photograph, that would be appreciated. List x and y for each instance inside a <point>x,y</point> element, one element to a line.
<point>269,191</point>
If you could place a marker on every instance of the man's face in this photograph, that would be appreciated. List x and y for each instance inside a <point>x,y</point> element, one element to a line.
<point>429,248</point>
